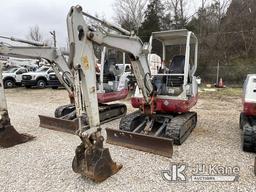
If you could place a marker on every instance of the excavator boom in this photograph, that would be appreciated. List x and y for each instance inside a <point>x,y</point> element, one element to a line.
<point>61,68</point>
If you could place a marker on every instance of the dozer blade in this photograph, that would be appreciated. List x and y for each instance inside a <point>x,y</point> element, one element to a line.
<point>107,113</point>
<point>8,135</point>
<point>57,124</point>
<point>94,162</point>
<point>157,145</point>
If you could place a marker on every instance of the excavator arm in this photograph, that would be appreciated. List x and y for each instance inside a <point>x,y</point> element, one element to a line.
<point>8,135</point>
<point>91,158</point>
<point>117,38</point>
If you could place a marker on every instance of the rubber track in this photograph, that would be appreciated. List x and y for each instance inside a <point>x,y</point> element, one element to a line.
<point>249,138</point>
<point>127,122</point>
<point>104,109</point>
<point>177,129</point>
<point>243,120</point>
<point>59,110</point>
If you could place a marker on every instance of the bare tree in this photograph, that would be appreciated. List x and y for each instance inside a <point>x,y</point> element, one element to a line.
<point>130,13</point>
<point>34,34</point>
<point>241,20</point>
<point>177,12</point>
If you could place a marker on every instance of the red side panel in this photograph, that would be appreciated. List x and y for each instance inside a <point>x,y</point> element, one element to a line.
<point>112,96</point>
<point>168,105</point>
<point>250,108</point>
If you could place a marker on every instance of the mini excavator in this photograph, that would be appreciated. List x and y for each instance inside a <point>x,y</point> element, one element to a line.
<point>164,99</point>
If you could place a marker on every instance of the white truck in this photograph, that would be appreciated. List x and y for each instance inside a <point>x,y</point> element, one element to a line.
<point>38,78</point>
<point>13,77</point>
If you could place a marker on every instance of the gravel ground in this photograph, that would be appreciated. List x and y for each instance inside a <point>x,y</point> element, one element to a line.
<point>44,164</point>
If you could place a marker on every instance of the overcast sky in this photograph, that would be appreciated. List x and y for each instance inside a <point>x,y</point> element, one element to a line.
<point>17,16</point>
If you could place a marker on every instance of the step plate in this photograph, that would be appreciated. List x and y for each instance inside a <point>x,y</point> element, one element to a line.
<point>156,145</point>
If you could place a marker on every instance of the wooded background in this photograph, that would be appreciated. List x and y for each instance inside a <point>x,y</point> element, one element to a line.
<point>225,29</point>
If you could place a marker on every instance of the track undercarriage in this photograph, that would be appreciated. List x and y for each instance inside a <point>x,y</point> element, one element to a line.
<point>248,126</point>
<point>154,134</point>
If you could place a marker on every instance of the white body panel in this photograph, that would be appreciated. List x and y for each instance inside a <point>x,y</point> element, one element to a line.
<point>84,63</point>
<point>249,89</point>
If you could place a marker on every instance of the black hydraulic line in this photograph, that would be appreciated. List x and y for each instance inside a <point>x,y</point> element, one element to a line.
<point>109,25</point>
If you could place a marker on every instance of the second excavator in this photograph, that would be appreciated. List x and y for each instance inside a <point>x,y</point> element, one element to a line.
<point>111,84</point>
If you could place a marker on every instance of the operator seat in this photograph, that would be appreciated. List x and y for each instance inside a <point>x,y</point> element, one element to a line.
<point>176,67</point>
<point>107,74</point>
<point>110,74</point>
<point>177,64</point>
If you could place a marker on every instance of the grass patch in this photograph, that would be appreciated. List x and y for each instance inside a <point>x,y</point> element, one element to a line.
<point>219,93</point>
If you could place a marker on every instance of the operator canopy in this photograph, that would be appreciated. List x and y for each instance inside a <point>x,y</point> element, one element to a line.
<point>174,37</point>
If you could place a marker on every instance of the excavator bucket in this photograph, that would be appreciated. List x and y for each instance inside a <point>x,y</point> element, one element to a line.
<point>94,162</point>
<point>8,135</point>
<point>156,145</point>
<point>58,124</point>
